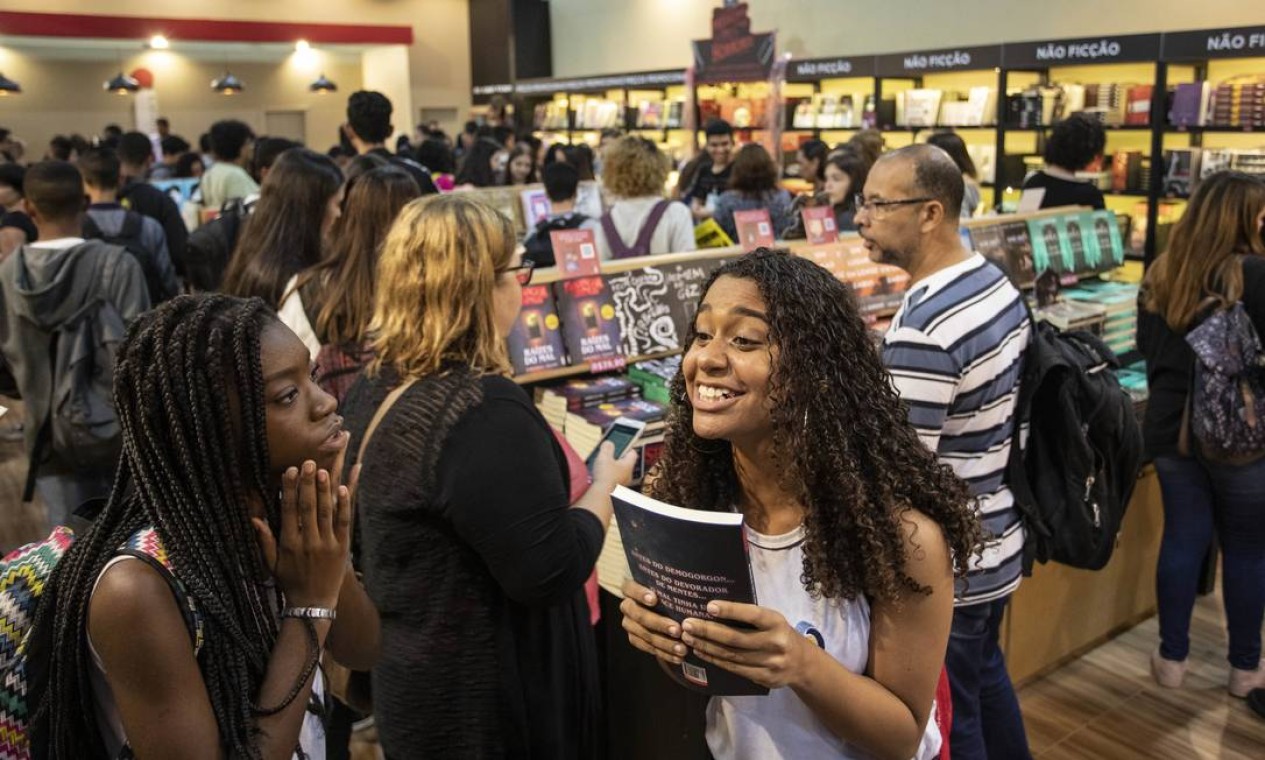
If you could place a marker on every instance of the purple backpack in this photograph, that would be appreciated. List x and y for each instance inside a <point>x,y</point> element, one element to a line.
<point>1227,404</point>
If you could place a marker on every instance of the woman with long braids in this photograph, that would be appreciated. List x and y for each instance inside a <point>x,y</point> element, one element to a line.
<point>785,413</point>
<point>231,462</point>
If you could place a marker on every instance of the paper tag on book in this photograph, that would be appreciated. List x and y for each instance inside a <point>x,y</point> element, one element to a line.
<point>755,228</point>
<point>576,253</point>
<point>819,225</point>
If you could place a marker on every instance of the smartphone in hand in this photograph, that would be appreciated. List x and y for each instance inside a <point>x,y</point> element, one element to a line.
<point>624,433</point>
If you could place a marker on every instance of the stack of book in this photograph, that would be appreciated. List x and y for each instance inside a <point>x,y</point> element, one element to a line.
<point>1120,301</point>
<point>1239,102</point>
<point>584,430</point>
<point>654,377</point>
<point>556,402</point>
<point>1074,315</point>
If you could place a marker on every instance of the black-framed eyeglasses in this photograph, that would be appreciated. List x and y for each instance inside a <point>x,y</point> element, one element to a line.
<point>871,206</point>
<point>523,271</point>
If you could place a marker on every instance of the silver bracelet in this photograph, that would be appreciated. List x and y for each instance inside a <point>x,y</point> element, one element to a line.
<point>310,613</point>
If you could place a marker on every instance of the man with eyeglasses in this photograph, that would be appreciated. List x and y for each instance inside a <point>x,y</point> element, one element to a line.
<point>955,351</point>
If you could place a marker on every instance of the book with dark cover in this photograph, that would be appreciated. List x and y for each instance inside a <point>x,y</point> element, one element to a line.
<point>1190,104</point>
<point>585,393</point>
<point>1019,251</point>
<point>990,242</point>
<point>589,328</point>
<point>688,557</point>
<point>535,342</point>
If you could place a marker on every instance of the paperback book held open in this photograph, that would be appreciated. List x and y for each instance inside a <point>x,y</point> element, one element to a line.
<point>688,557</point>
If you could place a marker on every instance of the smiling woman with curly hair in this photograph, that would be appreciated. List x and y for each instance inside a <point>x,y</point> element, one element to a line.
<point>785,413</point>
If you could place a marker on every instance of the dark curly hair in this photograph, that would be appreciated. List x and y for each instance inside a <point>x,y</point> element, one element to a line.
<point>369,115</point>
<point>1075,142</point>
<point>841,434</point>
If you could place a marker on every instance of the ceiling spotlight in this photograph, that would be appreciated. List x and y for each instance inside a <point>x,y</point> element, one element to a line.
<point>122,84</point>
<point>159,42</point>
<point>323,85</point>
<point>301,46</point>
<point>9,87</point>
<point>227,84</point>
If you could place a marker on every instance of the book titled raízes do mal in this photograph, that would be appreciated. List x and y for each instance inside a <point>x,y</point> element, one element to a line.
<point>689,557</point>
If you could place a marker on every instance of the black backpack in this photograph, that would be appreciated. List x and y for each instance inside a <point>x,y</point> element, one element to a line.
<point>539,245</point>
<point>211,246</point>
<point>129,237</point>
<point>1073,476</point>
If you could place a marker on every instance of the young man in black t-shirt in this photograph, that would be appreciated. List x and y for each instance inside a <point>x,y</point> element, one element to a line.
<point>1075,145</point>
<point>713,177</point>
<point>368,127</point>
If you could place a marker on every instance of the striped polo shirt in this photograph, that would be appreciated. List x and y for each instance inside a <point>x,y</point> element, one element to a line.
<point>955,351</point>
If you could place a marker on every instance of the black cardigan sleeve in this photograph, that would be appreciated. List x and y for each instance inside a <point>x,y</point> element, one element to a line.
<point>500,484</point>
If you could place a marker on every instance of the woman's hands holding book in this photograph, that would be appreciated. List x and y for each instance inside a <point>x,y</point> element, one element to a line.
<point>773,654</point>
<point>647,630</point>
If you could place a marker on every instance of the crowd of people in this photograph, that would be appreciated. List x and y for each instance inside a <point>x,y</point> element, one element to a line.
<point>308,405</point>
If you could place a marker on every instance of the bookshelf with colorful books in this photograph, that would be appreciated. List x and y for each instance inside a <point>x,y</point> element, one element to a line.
<point>1116,79</point>
<point>1216,107</point>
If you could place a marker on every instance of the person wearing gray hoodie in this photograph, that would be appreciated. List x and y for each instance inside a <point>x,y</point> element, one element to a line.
<point>45,286</point>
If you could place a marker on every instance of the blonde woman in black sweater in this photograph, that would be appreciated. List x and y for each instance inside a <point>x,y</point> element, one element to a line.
<point>472,551</point>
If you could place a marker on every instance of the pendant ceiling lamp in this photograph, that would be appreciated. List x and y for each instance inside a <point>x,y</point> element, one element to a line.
<point>9,87</point>
<point>122,84</point>
<point>323,85</point>
<point>227,84</point>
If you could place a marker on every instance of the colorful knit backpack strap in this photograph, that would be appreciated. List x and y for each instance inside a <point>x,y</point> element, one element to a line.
<point>146,545</point>
<point>24,574</point>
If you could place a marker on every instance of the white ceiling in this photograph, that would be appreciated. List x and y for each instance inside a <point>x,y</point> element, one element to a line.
<point>84,49</point>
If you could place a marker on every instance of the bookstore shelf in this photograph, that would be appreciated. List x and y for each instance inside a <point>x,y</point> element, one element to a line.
<point>1148,77</point>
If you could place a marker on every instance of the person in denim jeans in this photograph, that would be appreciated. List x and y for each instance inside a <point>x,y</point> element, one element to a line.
<point>1216,257</point>
<point>955,352</point>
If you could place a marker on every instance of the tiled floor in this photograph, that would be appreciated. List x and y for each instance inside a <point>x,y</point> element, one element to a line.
<point>1102,706</point>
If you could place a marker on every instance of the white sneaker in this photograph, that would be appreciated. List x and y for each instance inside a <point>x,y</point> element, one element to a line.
<point>1243,681</point>
<point>1167,673</point>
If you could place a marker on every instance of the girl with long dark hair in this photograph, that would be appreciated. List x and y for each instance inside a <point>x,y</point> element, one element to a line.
<point>784,412</point>
<point>231,467</point>
<point>289,227</point>
<point>1215,260</point>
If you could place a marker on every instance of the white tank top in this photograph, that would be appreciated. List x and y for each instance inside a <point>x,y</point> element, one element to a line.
<point>780,725</point>
<point>110,723</point>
